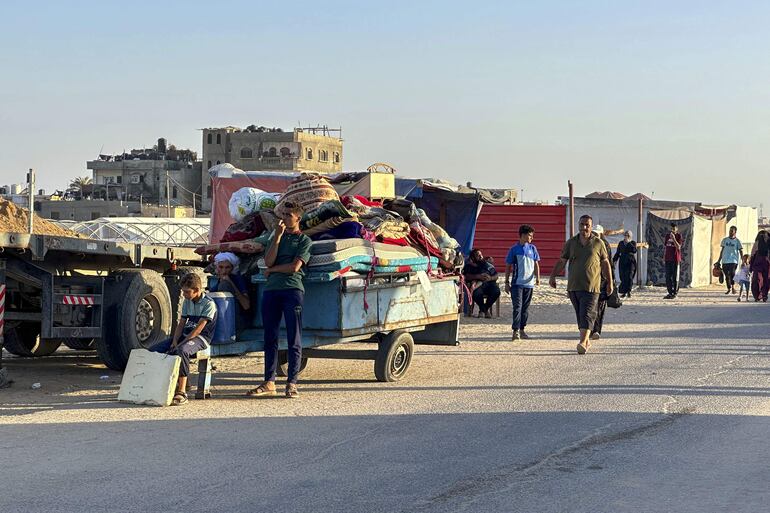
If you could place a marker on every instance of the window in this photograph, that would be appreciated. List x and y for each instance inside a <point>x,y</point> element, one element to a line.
<point>246,153</point>
<point>141,178</point>
<point>55,216</point>
<point>323,156</point>
<point>218,162</point>
<point>309,154</point>
<point>285,152</point>
<point>336,157</point>
<point>219,138</point>
<point>208,139</point>
<point>174,192</point>
<point>272,152</point>
<point>209,166</point>
<point>135,178</point>
<point>120,179</point>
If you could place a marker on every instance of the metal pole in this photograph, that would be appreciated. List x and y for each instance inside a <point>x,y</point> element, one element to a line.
<point>640,237</point>
<point>31,195</point>
<point>168,196</point>
<point>571,209</point>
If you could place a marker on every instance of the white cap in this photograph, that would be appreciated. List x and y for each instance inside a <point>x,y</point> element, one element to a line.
<point>599,229</point>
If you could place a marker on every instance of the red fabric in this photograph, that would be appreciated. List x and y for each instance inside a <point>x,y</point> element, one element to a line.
<point>249,227</point>
<point>395,242</point>
<point>418,241</point>
<point>672,254</point>
<point>365,201</point>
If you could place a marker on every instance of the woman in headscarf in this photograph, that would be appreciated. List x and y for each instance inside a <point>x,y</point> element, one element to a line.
<point>626,253</point>
<point>596,331</point>
<point>760,266</point>
<point>228,279</point>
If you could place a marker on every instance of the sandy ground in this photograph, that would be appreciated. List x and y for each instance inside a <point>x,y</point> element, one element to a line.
<point>670,411</point>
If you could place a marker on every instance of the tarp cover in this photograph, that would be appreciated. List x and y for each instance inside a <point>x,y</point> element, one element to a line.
<point>695,269</point>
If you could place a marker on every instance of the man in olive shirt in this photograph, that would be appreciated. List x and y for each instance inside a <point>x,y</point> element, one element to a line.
<point>284,296</point>
<point>588,260</point>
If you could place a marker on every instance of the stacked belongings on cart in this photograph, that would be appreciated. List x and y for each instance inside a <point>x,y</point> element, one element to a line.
<point>352,236</point>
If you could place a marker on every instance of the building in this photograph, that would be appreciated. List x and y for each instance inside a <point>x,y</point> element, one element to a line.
<point>270,149</point>
<point>158,175</point>
<point>88,210</point>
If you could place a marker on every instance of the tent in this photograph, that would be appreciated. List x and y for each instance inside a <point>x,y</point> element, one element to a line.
<point>696,230</point>
<point>453,207</point>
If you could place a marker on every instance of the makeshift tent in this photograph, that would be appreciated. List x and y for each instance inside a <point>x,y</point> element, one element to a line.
<point>454,208</point>
<point>696,230</point>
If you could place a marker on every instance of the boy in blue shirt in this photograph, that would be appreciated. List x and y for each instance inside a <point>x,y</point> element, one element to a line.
<point>193,331</point>
<point>522,273</point>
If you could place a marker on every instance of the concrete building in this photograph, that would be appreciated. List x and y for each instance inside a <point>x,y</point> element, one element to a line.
<point>270,149</point>
<point>158,175</point>
<point>88,210</point>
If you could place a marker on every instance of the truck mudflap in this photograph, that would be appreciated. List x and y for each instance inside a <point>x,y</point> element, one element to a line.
<point>439,334</point>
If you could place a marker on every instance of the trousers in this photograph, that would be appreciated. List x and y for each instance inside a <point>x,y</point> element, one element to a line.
<point>286,304</point>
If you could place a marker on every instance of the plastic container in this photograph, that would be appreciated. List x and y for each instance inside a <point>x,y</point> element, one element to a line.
<point>225,330</point>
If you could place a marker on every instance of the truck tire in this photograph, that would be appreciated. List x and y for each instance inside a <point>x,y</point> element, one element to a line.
<point>283,364</point>
<point>24,340</point>
<point>80,344</point>
<point>173,282</point>
<point>137,315</point>
<point>394,355</point>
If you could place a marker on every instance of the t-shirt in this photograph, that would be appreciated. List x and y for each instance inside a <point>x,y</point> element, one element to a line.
<point>731,249</point>
<point>672,253</point>
<point>291,247</point>
<point>522,258</point>
<point>743,274</point>
<point>482,267</point>
<point>585,263</point>
<point>194,311</point>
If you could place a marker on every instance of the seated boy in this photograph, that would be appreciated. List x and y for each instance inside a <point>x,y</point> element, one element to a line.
<point>193,330</point>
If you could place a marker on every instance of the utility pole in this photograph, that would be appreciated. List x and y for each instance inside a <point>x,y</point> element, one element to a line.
<point>31,195</point>
<point>571,209</point>
<point>168,195</point>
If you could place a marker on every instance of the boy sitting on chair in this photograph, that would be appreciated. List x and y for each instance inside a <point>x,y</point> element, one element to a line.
<point>193,331</point>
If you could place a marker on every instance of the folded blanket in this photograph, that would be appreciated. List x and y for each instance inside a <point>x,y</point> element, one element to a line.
<point>347,230</point>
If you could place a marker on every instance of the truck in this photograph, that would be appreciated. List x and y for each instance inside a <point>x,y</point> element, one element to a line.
<point>88,294</point>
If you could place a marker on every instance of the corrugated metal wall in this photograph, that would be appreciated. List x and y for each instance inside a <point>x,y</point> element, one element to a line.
<point>497,229</point>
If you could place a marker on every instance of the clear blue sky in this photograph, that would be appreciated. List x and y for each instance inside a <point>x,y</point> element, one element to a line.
<point>670,97</point>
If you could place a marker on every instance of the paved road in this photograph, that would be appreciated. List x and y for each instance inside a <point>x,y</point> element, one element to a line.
<point>669,413</point>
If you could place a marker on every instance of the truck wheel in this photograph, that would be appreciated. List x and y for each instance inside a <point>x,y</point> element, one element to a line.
<point>173,279</point>
<point>283,364</point>
<point>80,344</point>
<point>24,340</point>
<point>394,355</point>
<point>138,315</point>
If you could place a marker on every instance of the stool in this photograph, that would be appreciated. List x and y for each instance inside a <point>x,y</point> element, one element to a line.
<point>204,373</point>
<point>496,306</point>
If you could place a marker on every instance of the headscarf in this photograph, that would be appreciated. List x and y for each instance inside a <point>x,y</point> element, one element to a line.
<point>227,257</point>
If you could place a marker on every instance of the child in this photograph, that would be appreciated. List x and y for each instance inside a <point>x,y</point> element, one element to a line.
<point>193,331</point>
<point>743,277</point>
<point>522,274</point>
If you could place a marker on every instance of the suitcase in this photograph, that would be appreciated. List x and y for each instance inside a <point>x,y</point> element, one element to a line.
<point>149,378</point>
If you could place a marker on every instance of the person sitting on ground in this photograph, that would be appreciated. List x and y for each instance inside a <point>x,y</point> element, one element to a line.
<point>193,332</point>
<point>743,276</point>
<point>229,280</point>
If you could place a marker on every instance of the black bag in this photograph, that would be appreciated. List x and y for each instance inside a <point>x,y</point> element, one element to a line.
<point>613,300</point>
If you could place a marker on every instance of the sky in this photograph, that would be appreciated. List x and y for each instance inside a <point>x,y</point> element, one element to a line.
<point>665,98</point>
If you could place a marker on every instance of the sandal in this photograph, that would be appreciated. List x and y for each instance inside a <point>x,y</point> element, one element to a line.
<point>261,390</point>
<point>291,391</point>
<point>179,399</point>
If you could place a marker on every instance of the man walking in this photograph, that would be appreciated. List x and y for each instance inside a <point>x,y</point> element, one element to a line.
<point>672,256</point>
<point>730,255</point>
<point>522,273</point>
<point>588,262</point>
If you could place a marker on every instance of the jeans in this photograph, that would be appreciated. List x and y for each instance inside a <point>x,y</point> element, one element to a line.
<point>491,290</point>
<point>729,271</point>
<point>672,277</point>
<point>184,351</point>
<point>521,297</point>
<point>287,304</point>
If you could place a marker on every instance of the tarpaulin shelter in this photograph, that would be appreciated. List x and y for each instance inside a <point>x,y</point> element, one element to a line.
<point>697,244</point>
<point>453,207</point>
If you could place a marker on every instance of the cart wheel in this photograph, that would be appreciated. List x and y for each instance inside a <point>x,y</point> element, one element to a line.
<point>394,356</point>
<point>283,364</point>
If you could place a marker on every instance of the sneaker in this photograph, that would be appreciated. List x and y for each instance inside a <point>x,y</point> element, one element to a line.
<point>595,336</point>
<point>516,335</point>
<point>668,296</point>
<point>524,335</point>
<point>582,348</point>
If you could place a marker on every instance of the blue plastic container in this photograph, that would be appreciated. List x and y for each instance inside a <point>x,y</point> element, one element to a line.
<point>225,329</point>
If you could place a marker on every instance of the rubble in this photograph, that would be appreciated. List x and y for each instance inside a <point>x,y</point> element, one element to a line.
<point>15,219</point>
